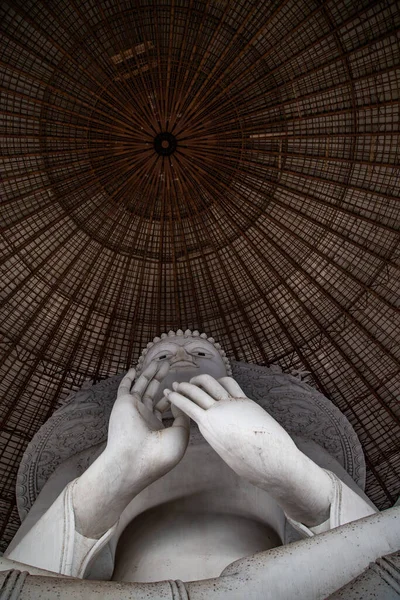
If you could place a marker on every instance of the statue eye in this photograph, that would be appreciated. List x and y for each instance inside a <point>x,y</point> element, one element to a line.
<point>199,351</point>
<point>163,356</point>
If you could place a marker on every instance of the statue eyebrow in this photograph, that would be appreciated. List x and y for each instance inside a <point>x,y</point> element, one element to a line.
<point>197,345</point>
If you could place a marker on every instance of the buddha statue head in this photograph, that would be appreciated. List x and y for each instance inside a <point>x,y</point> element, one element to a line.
<point>189,353</point>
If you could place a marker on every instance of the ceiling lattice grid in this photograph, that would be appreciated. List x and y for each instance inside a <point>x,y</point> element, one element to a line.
<point>226,166</point>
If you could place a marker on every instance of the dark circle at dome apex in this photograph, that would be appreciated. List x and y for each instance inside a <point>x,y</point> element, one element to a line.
<point>165,143</point>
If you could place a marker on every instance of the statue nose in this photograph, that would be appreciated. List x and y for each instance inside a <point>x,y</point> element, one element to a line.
<point>181,355</point>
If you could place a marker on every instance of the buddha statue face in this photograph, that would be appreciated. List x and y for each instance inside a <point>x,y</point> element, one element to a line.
<point>189,354</point>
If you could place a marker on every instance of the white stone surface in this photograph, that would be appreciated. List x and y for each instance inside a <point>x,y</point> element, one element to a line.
<point>305,570</point>
<point>74,433</point>
<point>200,508</point>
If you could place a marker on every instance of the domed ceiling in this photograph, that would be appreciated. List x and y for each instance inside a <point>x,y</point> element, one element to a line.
<point>229,166</point>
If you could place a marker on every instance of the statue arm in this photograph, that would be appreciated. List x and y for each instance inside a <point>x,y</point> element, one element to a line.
<point>257,448</point>
<point>139,450</point>
<point>54,544</point>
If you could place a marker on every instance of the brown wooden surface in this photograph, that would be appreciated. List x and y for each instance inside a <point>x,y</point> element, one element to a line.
<point>273,226</point>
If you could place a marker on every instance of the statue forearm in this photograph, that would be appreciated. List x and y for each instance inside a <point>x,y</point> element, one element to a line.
<point>301,487</point>
<point>102,493</point>
<point>271,461</point>
<point>255,446</point>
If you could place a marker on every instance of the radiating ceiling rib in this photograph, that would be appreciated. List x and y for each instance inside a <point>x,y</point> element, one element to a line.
<point>333,300</point>
<point>188,196</point>
<point>293,80</point>
<point>273,226</point>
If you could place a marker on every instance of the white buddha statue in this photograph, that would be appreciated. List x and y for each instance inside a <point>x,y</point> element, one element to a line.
<point>153,506</point>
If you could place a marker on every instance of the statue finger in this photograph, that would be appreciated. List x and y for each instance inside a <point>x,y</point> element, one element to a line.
<point>148,402</point>
<point>126,383</point>
<point>163,405</point>
<point>232,387</point>
<point>180,419</point>
<point>141,384</point>
<point>211,386</point>
<point>154,384</point>
<point>195,394</point>
<point>187,406</point>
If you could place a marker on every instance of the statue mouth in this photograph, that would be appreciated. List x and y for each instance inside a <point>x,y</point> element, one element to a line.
<point>183,365</point>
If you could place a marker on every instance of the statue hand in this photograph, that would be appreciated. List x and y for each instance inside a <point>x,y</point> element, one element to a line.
<point>246,437</point>
<point>255,446</point>
<point>137,440</point>
<point>139,450</point>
